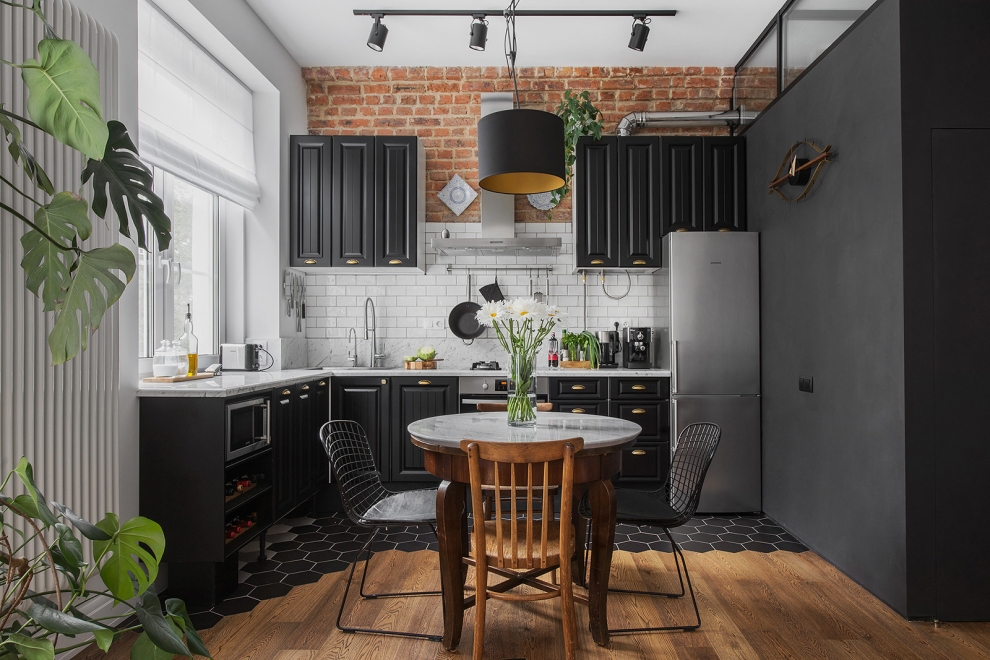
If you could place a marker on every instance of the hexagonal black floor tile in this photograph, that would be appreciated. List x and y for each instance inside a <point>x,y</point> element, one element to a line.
<point>734,538</point>
<point>769,529</point>
<point>297,566</point>
<point>333,566</point>
<point>306,577</point>
<point>311,536</point>
<point>288,555</point>
<point>271,591</point>
<point>283,545</point>
<point>745,522</point>
<point>757,546</point>
<point>205,620</point>
<point>305,529</point>
<point>316,546</point>
<point>739,529</point>
<point>633,546</point>
<point>764,538</point>
<point>235,606</point>
<point>696,546</point>
<point>661,546</point>
<point>323,555</point>
<point>269,577</point>
<point>643,537</point>
<point>726,546</point>
<point>411,546</point>
<point>705,538</point>
<point>718,522</point>
<point>260,566</point>
<point>338,537</point>
<point>711,529</point>
<point>789,546</point>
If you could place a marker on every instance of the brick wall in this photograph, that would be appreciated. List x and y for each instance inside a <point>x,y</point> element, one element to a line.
<point>442,106</point>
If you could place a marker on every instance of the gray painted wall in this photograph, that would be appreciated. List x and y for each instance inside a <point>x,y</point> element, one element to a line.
<point>832,309</point>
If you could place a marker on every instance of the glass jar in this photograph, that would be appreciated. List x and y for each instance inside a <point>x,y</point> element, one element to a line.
<point>181,358</point>
<point>163,365</point>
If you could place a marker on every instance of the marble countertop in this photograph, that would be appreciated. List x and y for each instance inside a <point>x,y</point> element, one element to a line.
<point>601,434</point>
<point>243,382</point>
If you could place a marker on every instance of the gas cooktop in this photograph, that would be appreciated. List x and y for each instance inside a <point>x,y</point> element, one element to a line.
<point>490,365</point>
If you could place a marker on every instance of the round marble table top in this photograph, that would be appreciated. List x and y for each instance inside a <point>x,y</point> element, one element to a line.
<point>601,434</point>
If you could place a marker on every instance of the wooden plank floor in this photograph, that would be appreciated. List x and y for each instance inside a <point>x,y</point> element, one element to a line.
<point>754,605</point>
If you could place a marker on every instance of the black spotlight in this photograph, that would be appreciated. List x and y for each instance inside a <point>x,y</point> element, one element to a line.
<point>376,40</point>
<point>640,33</point>
<point>479,33</point>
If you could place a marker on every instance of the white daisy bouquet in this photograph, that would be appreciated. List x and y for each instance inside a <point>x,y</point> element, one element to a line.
<point>521,326</point>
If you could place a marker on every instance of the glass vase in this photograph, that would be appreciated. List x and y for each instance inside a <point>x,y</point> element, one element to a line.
<point>522,390</point>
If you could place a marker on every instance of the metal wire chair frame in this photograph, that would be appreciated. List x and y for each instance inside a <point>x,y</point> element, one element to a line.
<point>359,484</point>
<point>693,455</point>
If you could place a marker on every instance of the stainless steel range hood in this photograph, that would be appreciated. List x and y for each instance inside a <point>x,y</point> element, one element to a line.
<point>498,217</point>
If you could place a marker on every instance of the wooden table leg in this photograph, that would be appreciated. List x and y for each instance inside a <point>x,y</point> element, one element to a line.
<point>453,542</point>
<point>602,500</point>
<point>579,571</point>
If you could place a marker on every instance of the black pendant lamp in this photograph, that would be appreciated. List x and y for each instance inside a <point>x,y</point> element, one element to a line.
<point>521,152</point>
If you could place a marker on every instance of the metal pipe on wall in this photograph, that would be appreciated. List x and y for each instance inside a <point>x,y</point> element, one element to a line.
<point>676,119</point>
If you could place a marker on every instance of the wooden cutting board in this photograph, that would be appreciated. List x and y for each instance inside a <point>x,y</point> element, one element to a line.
<point>176,379</point>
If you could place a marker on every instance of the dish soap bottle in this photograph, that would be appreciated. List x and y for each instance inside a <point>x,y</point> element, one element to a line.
<point>189,341</point>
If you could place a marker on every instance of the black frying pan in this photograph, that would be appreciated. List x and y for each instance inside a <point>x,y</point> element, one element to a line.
<point>463,321</point>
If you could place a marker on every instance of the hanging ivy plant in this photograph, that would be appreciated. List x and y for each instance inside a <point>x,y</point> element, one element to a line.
<point>581,118</point>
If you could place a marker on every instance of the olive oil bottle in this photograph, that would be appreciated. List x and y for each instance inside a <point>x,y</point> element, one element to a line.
<point>189,341</point>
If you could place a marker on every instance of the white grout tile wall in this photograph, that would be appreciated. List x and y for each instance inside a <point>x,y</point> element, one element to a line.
<point>412,310</point>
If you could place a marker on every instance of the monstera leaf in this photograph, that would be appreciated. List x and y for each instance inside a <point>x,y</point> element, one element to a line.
<point>46,265</point>
<point>64,96</point>
<point>21,154</point>
<point>129,184</point>
<point>91,290</point>
<point>137,539</point>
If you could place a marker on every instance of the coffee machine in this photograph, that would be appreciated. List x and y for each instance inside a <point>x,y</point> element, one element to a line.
<point>637,349</point>
<point>609,348</point>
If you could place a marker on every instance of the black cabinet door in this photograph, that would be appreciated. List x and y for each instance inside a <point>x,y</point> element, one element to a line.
<point>352,217</point>
<point>725,184</point>
<point>596,202</point>
<point>681,170</point>
<point>319,466</point>
<point>282,423</point>
<point>395,201</point>
<point>302,438</point>
<point>639,202</point>
<point>310,163</point>
<point>365,400</point>
<point>413,399</point>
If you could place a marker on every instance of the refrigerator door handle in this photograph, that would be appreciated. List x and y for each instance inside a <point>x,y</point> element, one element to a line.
<point>673,426</point>
<point>673,366</point>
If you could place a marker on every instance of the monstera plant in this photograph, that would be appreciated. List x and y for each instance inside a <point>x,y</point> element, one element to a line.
<point>124,555</point>
<point>75,283</point>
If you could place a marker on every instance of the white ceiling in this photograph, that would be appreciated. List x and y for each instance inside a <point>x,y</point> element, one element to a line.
<point>704,33</point>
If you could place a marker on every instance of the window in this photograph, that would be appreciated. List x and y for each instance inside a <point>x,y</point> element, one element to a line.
<point>187,274</point>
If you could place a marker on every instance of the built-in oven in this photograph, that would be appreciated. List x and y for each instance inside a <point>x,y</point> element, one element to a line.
<point>492,389</point>
<point>248,426</point>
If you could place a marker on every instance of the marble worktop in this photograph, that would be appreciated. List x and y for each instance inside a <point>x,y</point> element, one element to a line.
<point>444,433</point>
<point>233,383</point>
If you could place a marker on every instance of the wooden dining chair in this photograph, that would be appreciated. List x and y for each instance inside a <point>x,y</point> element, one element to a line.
<point>504,407</point>
<point>523,546</point>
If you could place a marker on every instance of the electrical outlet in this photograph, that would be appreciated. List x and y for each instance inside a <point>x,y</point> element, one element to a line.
<point>806,384</point>
<point>263,343</point>
<point>438,324</point>
<point>623,323</point>
<point>431,324</point>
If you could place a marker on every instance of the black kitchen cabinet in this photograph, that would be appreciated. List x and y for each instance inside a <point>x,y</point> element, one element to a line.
<point>682,190</point>
<point>300,463</point>
<point>365,400</point>
<point>353,214</point>
<point>596,204</point>
<point>639,202</point>
<point>282,423</point>
<point>319,465</point>
<point>396,201</point>
<point>310,184</point>
<point>725,183</point>
<point>413,399</point>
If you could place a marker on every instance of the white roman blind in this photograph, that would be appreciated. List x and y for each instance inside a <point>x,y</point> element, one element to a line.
<point>196,118</point>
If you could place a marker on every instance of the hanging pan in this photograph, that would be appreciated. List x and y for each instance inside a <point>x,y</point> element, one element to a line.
<point>463,320</point>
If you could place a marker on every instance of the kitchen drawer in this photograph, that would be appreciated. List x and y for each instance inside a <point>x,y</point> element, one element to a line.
<point>652,416</point>
<point>645,463</point>
<point>639,388</point>
<point>583,407</point>
<point>586,389</point>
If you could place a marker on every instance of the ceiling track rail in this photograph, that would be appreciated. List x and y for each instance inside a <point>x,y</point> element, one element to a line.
<point>631,13</point>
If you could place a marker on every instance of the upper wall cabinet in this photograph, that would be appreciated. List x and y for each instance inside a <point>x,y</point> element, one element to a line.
<point>725,183</point>
<point>596,203</point>
<point>704,183</point>
<point>683,186</point>
<point>639,202</point>
<point>357,202</point>
<point>310,162</point>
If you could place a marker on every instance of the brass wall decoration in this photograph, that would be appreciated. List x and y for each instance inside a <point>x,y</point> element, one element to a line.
<point>796,170</point>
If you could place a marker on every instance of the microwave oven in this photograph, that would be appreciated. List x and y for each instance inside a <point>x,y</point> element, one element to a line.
<point>248,427</point>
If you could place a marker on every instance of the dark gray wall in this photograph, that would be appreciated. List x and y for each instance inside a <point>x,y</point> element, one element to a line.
<point>832,309</point>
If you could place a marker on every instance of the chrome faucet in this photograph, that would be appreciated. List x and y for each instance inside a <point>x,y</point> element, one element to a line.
<point>352,352</point>
<point>371,332</point>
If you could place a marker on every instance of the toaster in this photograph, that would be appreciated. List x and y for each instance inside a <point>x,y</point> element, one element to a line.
<point>240,357</point>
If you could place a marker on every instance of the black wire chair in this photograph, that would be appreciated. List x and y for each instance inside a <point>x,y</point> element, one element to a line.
<point>671,506</point>
<point>369,504</point>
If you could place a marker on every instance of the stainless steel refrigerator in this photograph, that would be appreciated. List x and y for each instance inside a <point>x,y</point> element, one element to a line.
<point>715,357</point>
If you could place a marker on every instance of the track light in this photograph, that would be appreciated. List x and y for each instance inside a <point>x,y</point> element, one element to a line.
<point>640,32</point>
<point>479,32</point>
<point>376,40</point>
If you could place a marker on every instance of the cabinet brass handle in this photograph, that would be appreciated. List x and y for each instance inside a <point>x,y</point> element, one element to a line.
<point>305,388</point>
<point>638,411</point>
<point>351,262</point>
<point>425,382</point>
<point>577,387</point>
<point>639,262</point>
<point>323,383</point>
<point>639,452</point>
<point>286,392</point>
<point>578,410</point>
<point>395,261</point>
<point>310,261</point>
<point>639,387</point>
<point>384,381</point>
<point>597,262</point>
